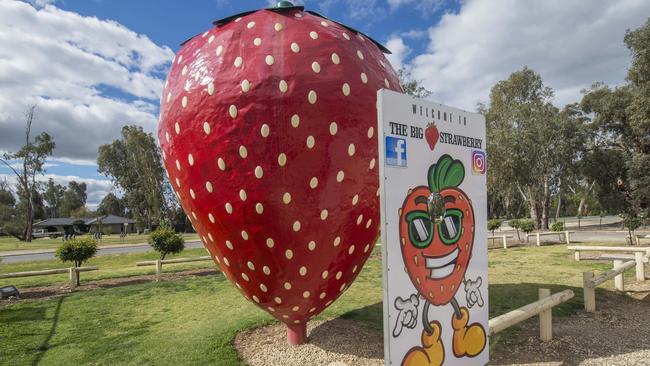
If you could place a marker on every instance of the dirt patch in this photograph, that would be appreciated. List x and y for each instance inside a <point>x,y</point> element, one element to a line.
<point>617,334</point>
<point>41,293</point>
<point>331,342</point>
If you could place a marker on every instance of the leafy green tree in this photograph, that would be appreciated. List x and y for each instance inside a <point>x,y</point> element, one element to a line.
<point>77,251</point>
<point>53,196</point>
<point>31,158</point>
<point>516,224</point>
<point>411,86</point>
<point>557,226</point>
<point>527,226</point>
<point>165,241</point>
<point>111,205</point>
<point>531,144</point>
<point>631,221</point>
<point>74,198</point>
<point>133,163</point>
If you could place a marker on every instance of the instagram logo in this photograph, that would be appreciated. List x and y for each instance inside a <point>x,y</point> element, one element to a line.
<point>479,164</point>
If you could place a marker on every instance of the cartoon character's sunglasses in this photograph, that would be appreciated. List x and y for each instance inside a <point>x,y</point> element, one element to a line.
<point>421,227</point>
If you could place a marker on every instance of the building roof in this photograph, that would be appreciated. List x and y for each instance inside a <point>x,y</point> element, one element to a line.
<point>68,221</point>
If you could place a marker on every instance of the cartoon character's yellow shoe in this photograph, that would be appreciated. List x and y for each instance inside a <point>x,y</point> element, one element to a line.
<point>432,352</point>
<point>468,340</point>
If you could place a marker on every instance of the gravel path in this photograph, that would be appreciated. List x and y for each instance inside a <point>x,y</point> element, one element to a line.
<point>617,334</point>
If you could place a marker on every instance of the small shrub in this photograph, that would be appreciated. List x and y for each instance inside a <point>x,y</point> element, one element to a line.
<point>557,226</point>
<point>631,221</point>
<point>516,224</point>
<point>527,226</point>
<point>77,251</point>
<point>494,224</point>
<point>165,241</point>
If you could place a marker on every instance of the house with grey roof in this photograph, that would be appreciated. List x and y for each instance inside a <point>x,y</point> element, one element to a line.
<point>108,224</point>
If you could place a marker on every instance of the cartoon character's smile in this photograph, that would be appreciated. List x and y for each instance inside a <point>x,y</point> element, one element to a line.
<point>441,267</point>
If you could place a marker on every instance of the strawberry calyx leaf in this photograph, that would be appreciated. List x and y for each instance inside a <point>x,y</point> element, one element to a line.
<point>446,173</point>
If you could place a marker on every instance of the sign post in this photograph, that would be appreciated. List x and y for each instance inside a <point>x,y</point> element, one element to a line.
<point>434,232</point>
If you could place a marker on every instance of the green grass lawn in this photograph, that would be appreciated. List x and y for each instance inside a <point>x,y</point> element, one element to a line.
<point>8,243</point>
<point>193,321</point>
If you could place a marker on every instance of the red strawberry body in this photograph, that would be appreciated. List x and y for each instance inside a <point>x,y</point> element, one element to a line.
<point>268,133</point>
<point>432,135</point>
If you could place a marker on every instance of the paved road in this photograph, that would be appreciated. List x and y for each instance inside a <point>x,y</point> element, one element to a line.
<point>102,251</point>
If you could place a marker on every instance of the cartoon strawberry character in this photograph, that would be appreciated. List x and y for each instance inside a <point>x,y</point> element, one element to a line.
<point>437,235</point>
<point>267,130</point>
<point>431,134</point>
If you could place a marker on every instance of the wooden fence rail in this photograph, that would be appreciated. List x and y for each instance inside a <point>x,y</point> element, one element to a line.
<point>641,255</point>
<point>543,307</point>
<point>158,263</point>
<point>72,271</point>
<point>590,281</point>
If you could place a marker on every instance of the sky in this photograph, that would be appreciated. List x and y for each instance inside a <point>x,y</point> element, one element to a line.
<point>92,66</point>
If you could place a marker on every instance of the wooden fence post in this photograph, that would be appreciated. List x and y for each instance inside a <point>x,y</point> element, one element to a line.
<point>74,276</point>
<point>640,268</point>
<point>158,269</point>
<point>576,255</point>
<point>566,236</point>
<point>618,279</point>
<point>589,291</point>
<point>505,242</point>
<point>545,318</point>
<point>538,242</point>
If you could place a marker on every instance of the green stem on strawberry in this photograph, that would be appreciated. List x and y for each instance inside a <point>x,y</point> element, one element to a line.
<point>446,173</point>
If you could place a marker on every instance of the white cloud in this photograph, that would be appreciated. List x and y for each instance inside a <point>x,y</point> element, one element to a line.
<point>70,66</point>
<point>571,44</point>
<point>96,189</point>
<point>425,7</point>
<point>398,50</point>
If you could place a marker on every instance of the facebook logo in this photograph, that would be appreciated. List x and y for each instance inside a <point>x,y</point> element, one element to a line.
<point>395,151</point>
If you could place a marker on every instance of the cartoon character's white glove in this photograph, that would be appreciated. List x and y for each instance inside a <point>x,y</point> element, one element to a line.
<point>473,292</point>
<point>408,313</point>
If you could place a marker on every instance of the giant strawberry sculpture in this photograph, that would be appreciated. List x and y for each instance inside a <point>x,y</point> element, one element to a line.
<point>267,129</point>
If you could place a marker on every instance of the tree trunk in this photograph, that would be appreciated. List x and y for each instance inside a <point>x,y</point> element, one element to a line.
<point>559,200</point>
<point>534,208</point>
<point>546,200</point>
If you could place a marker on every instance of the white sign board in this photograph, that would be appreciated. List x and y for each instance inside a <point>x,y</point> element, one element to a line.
<point>434,233</point>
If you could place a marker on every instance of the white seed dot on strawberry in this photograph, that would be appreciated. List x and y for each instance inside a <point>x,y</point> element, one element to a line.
<point>263,287</point>
<point>245,86</point>
<point>296,226</point>
<point>178,165</point>
<point>206,128</point>
<point>368,223</point>
<point>295,121</point>
<point>184,71</point>
<point>169,97</point>
<point>364,78</point>
<point>342,287</point>
<point>336,59</point>
<point>210,237</point>
<point>245,277</point>
<point>337,241</point>
<point>177,128</point>
<point>283,86</point>
<point>312,97</point>
<point>256,299</point>
<point>278,300</point>
<point>351,149</point>
<point>297,15</point>
<point>278,27</point>
<point>360,55</point>
<point>288,253</point>
<point>243,152</point>
<point>194,215</point>
<point>211,39</point>
<point>266,270</point>
<point>257,41</point>
<point>339,176</point>
<point>295,47</point>
<point>211,218</point>
<point>269,60</point>
<point>242,194</point>
<point>264,131</point>
<point>323,214</point>
<point>226,262</point>
<point>282,159</point>
<point>228,207</point>
<point>310,142</point>
<point>178,183</point>
<point>286,198</point>
<point>219,50</point>
<point>346,89</point>
<point>259,172</point>
<point>259,208</point>
<point>287,286</point>
<point>192,194</point>
<point>190,159</point>
<point>339,274</point>
<point>311,245</point>
<point>315,66</point>
<point>208,186</point>
<point>386,83</point>
<point>351,249</point>
<point>355,199</point>
<point>180,59</point>
<point>313,35</point>
<point>250,25</point>
<point>238,61</point>
<point>359,219</point>
<point>306,294</point>
<point>221,163</point>
<point>324,23</point>
<point>371,132</point>
<point>366,248</point>
<point>333,128</point>
<point>313,183</point>
<point>232,110</point>
<point>250,265</point>
<point>322,295</point>
<point>324,274</point>
<point>270,243</point>
<point>372,164</point>
<point>244,235</point>
<point>303,271</point>
<point>229,245</point>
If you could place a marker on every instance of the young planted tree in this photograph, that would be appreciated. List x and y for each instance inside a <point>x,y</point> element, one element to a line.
<point>165,241</point>
<point>631,222</point>
<point>76,251</point>
<point>516,224</point>
<point>493,225</point>
<point>30,160</point>
<point>527,226</point>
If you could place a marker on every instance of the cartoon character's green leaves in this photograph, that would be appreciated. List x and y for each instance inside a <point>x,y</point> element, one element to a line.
<point>447,172</point>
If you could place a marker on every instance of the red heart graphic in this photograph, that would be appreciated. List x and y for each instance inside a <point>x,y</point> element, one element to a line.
<point>432,135</point>
<point>267,130</point>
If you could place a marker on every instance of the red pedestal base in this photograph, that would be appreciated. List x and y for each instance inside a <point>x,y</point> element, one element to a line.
<point>296,334</point>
